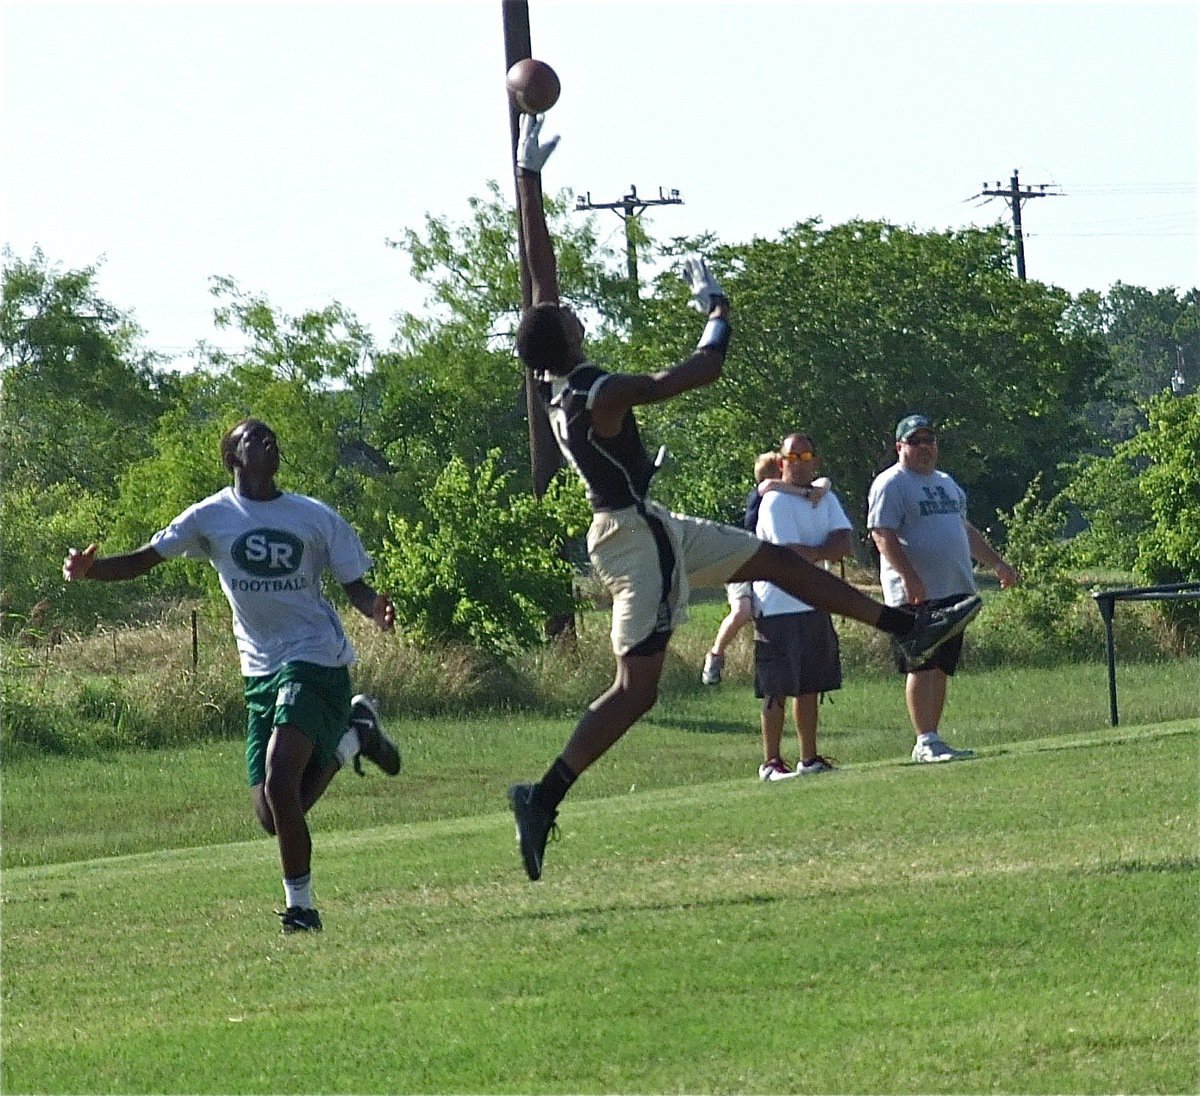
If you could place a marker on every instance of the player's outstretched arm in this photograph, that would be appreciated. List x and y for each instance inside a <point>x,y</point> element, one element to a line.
<point>532,155</point>
<point>86,564</point>
<point>625,390</point>
<point>373,605</point>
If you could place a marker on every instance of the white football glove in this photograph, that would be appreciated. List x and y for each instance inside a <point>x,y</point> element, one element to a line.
<point>532,156</point>
<point>701,282</point>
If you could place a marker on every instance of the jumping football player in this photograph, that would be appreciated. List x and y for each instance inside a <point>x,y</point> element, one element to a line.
<point>647,557</point>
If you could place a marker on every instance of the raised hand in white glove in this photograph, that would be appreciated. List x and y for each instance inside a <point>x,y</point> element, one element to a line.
<point>532,155</point>
<point>705,288</point>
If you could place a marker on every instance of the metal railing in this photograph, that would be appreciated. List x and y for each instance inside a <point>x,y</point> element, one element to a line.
<point>1106,601</point>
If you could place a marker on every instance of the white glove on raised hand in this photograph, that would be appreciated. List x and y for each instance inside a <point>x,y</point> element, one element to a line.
<point>531,155</point>
<point>705,288</point>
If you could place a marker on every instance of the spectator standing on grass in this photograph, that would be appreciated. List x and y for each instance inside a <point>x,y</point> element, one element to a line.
<point>271,549</point>
<point>795,645</point>
<point>767,478</point>
<point>646,556</point>
<point>917,516</point>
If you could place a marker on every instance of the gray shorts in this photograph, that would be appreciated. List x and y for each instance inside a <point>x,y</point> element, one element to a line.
<point>796,654</point>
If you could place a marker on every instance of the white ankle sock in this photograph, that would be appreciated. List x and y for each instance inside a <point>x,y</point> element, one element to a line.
<point>348,747</point>
<point>298,892</point>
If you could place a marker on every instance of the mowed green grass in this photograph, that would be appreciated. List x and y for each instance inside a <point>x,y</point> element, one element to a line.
<point>1022,922</point>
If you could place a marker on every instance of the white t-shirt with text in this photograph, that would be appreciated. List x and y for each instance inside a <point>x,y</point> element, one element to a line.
<point>929,515</point>
<point>271,557</point>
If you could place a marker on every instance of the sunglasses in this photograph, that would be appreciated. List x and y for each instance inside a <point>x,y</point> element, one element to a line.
<point>793,457</point>
<point>921,439</point>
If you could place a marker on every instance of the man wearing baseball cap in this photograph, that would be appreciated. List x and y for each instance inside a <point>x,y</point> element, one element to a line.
<point>917,516</point>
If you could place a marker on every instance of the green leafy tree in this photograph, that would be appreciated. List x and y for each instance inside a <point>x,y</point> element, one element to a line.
<point>841,330</point>
<point>80,396</point>
<point>1143,502</point>
<point>451,384</point>
<point>80,403</point>
<point>1148,334</point>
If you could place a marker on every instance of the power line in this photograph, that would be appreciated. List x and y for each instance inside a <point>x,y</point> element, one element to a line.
<point>628,208</point>
<point>1016,195</point>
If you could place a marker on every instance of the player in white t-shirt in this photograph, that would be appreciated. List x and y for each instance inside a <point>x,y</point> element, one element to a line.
<point>271,549</point>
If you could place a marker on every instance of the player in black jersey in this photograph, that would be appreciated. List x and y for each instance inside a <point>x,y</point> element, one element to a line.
<point>646,556</point>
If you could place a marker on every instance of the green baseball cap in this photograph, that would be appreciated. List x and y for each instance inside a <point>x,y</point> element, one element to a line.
<point>910,424</point>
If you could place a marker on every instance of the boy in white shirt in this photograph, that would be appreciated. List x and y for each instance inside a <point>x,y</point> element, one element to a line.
<point>271,549</point>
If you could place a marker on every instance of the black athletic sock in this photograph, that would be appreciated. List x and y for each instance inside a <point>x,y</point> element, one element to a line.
<point>553,787</point>
<point>897,622</point>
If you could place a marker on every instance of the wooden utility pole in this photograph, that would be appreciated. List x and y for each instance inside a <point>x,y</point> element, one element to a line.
<point>1015,194</point>
<point>544,456</point>
<point>628,209</point>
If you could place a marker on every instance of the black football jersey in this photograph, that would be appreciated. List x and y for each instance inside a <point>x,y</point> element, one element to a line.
<point>616,471</point>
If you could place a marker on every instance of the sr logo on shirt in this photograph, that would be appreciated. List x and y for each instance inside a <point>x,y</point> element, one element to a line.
<point>268,553</point>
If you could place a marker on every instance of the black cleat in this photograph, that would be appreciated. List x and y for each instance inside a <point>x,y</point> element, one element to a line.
<point>373,743</point>
<point>298,919</point>
<point>934,626</point>
<point>534,825</point>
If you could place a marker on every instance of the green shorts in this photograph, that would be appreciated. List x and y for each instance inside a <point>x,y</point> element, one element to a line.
<point>316,699</point>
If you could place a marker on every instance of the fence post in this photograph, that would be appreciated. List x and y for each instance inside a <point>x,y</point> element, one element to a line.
<point>1107,604</point>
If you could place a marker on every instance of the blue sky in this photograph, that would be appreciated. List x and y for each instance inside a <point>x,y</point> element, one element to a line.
<point>281,143</point>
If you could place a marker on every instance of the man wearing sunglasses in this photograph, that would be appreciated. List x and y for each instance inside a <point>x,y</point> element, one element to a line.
<point>795,645</point>
<point>917,516</point>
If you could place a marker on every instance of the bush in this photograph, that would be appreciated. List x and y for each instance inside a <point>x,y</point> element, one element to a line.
<point>1047,594</point>
<point>487,568</point>
<point>1143,505</point>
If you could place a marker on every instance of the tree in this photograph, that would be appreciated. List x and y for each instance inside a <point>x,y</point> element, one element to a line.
<point>80,395</point>
<point>81,399</point>
<point>840,331</point>
<point>1149,334</point>
<point>1142,502</point>
<point>451,383</point>
<point>312,377</point>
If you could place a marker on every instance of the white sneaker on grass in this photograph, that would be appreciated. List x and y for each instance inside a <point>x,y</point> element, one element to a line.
<point>776,769</point>
<point>931,748</point>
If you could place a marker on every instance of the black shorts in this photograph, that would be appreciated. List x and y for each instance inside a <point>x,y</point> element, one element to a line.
<point>946,657</point>
<point>796,654</point>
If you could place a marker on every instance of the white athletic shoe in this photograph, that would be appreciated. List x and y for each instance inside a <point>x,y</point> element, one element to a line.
<point>934,749</point>
<point>776,769</point>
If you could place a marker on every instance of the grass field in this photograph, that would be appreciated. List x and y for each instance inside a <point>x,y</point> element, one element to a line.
<point>1023,922</point>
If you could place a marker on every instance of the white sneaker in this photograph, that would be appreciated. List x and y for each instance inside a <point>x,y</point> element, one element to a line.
<point>818,764</point>
<point>934,749</point>
<point>713,665</point>
<point>776,769</point>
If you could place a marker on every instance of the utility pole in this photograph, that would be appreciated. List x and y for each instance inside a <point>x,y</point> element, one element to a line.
<point>1015,194</point>
<point>629,208</point>
<point>544,456</point>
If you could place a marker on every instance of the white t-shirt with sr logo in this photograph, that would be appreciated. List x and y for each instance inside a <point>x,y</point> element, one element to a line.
<point>271,557</point>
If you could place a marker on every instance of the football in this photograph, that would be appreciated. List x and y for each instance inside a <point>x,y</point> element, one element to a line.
<point>532,85</point>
